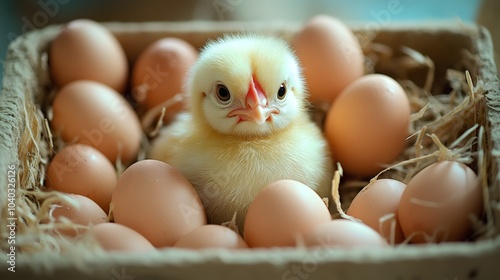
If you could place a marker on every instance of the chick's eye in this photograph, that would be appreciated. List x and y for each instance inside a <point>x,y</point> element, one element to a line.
<point>282,92</point>
<point>222,93</point>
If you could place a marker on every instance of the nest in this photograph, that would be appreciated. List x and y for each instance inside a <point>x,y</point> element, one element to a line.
<point>449,121</point>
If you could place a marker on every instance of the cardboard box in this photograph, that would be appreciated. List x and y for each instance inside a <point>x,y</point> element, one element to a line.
<point>24,151</point>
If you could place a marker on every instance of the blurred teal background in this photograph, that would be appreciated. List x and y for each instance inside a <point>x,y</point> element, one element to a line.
<point>18,17</point>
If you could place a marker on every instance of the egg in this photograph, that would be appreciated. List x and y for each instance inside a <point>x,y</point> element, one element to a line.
<point>81,169</point>
<point>439,202</point>
<point>94,114</point>
<point>330,55</point>
<point>118,238</point>
<point>85,212</point>
<point>281,212</point>
<point>341,233</point>
<point>211,236</point>
<point>86,50</point>
<point>367,125</point>
<point>159,72</point>
<point>154,199</point>
<point>376,205</point>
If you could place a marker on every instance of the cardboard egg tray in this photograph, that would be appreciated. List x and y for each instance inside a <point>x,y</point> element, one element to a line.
<point>25,151</point>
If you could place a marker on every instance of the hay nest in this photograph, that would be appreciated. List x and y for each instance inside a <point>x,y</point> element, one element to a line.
<point>449,121</point>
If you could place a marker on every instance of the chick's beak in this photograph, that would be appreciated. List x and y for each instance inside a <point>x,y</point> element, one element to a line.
<point>255,109</point>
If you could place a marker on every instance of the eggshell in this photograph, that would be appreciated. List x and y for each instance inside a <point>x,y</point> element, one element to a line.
<point>368,124</point>
<point>438,203</point>
<point>330,55</point>
<point>85,50</point>
<point>282,212</point>
<point>342,233</point>
<point>211,236</point>
<point>376,205</point>
<point>119,238</point>
<point>159,72</point>
<point>155,200</point>
<point>81,169</point>
<point>86,213</point>
<point>91,113</point>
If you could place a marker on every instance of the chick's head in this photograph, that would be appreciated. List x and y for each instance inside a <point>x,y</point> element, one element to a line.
<point>247,86</point>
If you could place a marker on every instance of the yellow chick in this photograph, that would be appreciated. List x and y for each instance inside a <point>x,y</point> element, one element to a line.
<point>246,126</point>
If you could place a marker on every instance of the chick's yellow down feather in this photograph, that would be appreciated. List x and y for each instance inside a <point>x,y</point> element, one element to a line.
<point>246,126</point>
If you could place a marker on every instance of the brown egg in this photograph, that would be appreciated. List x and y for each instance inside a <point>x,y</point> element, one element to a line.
<point>85,50</point>
<point>376,205</point>
<point>155,200</point>
<point>368,123</point>
<point>119,238</point>
<point>91,113</point>
<point>342,233</point>
<point>211,236</point>
<point>330,55</point>
<point>281,212</point>
<point>159,72</point>
<point>81,169</point>
<point>86,213</point>
<point>439,202</point>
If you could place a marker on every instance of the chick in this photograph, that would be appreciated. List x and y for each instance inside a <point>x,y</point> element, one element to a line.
<point>246,126</point>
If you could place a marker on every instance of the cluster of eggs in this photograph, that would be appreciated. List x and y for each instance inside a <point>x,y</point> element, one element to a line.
<point>154,206</point>
<point>366,126</point>
<point>152,203</point>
